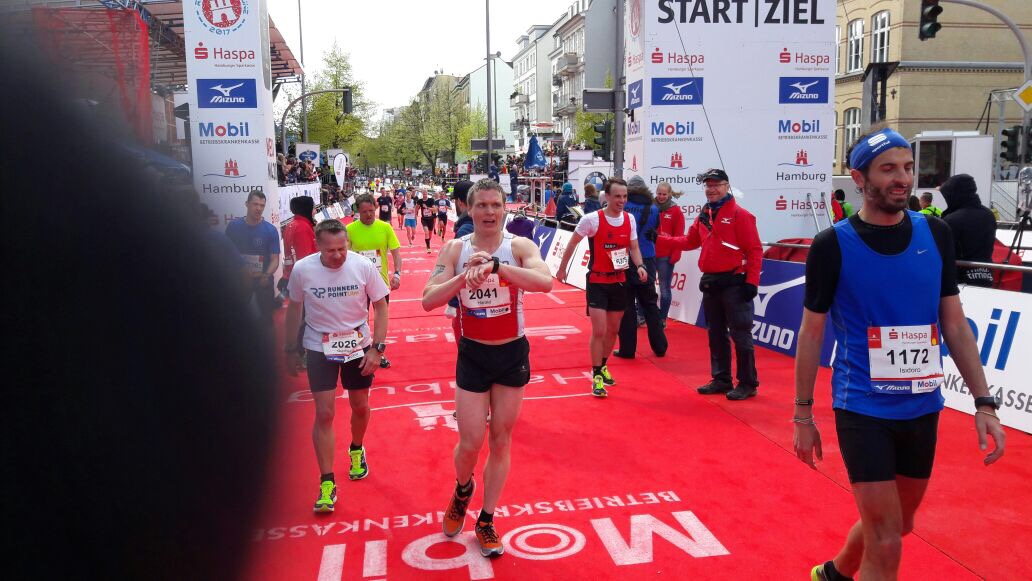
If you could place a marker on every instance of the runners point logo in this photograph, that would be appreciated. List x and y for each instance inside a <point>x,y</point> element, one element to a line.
<point>676,163</point>
<point>222,16</point>
<point>803,90</point>
<point>227,94</point>
<point>635,97</point>
<point>677,90</point>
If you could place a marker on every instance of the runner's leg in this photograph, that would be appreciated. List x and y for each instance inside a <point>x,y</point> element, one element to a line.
<point>322,429</point>
<point>911,493</point>
<point>359,400</point>
<point>598,336</point>
<point>505,410</point>
<point>881,520</point>
<point>471,412</point>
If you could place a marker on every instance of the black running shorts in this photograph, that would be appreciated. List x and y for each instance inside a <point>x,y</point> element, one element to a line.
<point>428,222</point>
<point>442,217</point>
<point>322,374</point>
<point>385,216</point>
<point>608,297</point>
<point>480,366</point>
<point>876,449</point>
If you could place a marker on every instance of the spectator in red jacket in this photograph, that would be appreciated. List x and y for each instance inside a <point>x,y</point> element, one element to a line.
<point>671,223</point>
<point>730,263</point>
<point>298,241</point>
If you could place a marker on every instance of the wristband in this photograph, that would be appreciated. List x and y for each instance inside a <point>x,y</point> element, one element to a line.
<point>496,262</point>
<point>804,401</point>
<point>804,421</point>
<point>989,401</point>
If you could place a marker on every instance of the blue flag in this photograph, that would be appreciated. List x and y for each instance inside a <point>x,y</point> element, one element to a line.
<point>535,157</point>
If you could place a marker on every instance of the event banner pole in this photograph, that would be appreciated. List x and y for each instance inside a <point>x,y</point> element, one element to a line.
<point>228,67</point>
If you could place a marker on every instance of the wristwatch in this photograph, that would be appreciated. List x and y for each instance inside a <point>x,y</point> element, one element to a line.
<point>497,263</point>
<point>381,347</point>
<point>397,274</point>
<point>988,401</point>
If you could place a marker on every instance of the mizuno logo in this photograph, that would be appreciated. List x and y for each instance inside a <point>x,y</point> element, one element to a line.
<point>226,90</point>
<point>802,88</point>
<point>676,88</point>
<point>634,92</point>
<point>765,293</point>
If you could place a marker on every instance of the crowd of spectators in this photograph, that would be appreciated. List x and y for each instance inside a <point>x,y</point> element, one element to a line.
<point>290,170</point>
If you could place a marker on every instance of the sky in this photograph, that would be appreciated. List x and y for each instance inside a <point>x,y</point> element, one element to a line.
<point>396,44</point>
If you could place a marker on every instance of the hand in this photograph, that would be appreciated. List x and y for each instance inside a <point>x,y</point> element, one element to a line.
<point>807,443</point>
<point>371,361</point>
<point>988,425</point>
<point>293,363</point>
<point>395,281</point>
<point>643,274</point>
<point>476,275</point>
<point>479,257</point>
<point>750,291</point>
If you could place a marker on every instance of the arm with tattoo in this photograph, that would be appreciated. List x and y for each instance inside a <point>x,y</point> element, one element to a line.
<point>444,283</point>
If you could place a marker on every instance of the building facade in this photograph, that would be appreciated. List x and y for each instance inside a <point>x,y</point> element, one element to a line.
<point>939,84</point>
<point>567,57</point>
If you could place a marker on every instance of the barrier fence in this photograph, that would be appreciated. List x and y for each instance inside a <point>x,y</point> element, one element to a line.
<point>1000,319</point>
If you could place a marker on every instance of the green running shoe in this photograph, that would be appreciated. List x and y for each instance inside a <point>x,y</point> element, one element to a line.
<point>598,387</point>
<point>359,468</point>
<point>327,497</point>
<point>606,377</point>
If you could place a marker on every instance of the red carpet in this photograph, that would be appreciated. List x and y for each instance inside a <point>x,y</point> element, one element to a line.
<point>655,481</point>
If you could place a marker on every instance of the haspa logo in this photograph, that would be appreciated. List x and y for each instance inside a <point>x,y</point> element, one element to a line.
<point>676,162</point>
<point>227,94</point>
<point>801,58</point>
<point>635,94</point>
<point>635,17</point>
<point>230,170</point>
<point>803,90</point>
<point>677,91</point>
<point>222,16</point>
<point>781,204</point>
<point>221,56</point>
<point>808,206</point>
<point>676,58</point>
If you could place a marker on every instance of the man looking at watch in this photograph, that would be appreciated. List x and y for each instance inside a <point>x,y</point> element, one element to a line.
<point>612,249</point>
<point>888,308</point>
<point>489,270</point>
<point>336,286</point>
<point>374,239</point>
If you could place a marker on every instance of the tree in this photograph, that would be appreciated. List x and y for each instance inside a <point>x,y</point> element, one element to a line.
<point>450,114</point>
<point>327,123</point>
<point>475,128</point>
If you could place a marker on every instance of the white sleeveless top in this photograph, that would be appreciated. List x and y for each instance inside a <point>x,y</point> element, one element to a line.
<point>494,311</point>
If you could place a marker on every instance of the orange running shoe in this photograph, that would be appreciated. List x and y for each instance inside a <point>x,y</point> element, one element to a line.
<point>490,543</point>
<point>455,516</point>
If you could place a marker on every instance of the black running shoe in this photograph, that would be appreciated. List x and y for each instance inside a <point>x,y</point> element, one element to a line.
<point>741,392</point>
<point>713,388</point>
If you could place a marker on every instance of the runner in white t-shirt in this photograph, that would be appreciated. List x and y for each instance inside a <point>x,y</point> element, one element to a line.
<point>335,286</point>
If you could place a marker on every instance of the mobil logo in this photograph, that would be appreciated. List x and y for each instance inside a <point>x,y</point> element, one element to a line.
<point>227,94</point>
<point>241,129</point>
<point>995,336</point>
<point>802,90</point>
<point>635,94</point>
<point>667,129</point>
<point>221,16</point>
<point>677,90</point>
<point>634,128</point>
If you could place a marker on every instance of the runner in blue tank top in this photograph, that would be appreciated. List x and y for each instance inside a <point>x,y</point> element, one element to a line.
<point>886,277</point>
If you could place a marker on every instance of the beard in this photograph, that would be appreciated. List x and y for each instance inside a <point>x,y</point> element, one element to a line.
<point>882,199</point>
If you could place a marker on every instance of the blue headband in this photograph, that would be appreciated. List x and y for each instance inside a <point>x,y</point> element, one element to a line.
<point>870,147</point>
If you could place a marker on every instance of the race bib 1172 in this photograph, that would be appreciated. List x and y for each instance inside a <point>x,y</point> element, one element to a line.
<point>904,359</point>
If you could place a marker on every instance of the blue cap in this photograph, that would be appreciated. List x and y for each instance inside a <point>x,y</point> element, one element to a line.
<point>567,188</point>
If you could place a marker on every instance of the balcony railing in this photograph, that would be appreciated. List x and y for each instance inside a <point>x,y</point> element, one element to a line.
<point>568,63</point>
<point>518,100</point>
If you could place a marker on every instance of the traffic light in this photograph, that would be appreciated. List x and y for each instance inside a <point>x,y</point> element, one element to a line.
<point>604,141</point>
<point>929,25</point>
<point>346,103</point>
<point>1028,145</point>
<point>1009,143</point>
